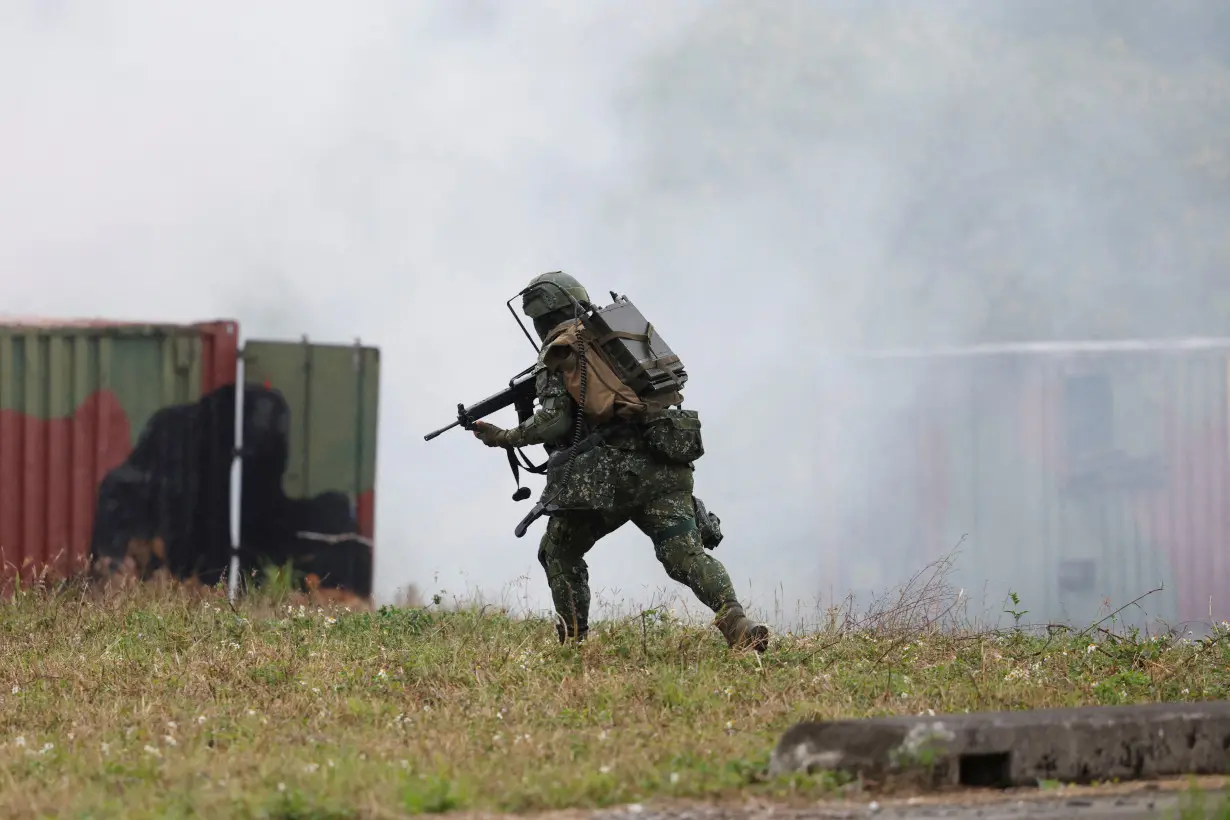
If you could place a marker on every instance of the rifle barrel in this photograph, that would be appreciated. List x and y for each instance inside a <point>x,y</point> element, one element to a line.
<point>430,436</point>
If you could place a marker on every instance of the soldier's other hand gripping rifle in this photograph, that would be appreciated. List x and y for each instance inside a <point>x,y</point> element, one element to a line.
<point>519,394</point>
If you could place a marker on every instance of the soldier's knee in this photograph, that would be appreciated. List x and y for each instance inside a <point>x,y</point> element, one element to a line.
<point>549,544</point>
<point>679,551</point>
<point>562,548</point>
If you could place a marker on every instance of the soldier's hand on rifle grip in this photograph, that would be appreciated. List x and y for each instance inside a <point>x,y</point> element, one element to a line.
<point>489,434</point>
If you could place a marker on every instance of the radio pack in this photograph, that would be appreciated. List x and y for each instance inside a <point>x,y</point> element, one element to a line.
<point>634,348</point>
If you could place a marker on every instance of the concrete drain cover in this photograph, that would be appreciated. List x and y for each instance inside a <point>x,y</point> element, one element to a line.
<point>1020,748</point>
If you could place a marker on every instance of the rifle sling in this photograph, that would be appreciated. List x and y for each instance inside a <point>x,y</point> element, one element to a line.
<point>526,464</point>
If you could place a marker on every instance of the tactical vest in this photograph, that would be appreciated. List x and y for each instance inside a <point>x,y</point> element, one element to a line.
<point>630,376</point>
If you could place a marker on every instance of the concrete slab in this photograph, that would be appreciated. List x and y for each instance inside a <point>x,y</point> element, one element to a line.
<point>1019,748</point>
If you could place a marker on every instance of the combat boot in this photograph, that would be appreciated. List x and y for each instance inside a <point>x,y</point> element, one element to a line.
<point>741,631</point>
<point>563,632</point>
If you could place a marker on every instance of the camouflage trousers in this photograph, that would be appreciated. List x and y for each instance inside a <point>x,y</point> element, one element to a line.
<point>667,519</point>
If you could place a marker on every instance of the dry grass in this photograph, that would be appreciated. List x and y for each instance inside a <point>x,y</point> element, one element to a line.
<point>167,702</point>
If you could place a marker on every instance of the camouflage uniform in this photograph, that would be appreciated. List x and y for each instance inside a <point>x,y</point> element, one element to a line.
<point>610,485</point>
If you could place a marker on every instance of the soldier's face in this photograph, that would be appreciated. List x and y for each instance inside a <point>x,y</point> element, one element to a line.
<point>542,326</point>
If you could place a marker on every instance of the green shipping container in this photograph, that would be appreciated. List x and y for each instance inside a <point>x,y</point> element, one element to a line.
<point>118,449</point>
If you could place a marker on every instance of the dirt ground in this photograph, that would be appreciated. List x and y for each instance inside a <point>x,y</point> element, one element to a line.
<point>1129,801</point>
<point>1145,800</point>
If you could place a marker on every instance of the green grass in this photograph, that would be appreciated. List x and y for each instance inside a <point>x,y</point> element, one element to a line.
<point>1197,805</point>
<point>165,703</point>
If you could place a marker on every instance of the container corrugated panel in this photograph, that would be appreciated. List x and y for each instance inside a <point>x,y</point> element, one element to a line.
<point>1080,478</point>
<point>75,396</point>
<point>309,466</point>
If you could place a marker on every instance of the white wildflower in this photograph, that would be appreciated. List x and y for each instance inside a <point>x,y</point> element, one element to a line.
<point>20,740</point>
<point>151,750</point>
<point>47,747</point>
<point>311,768</point>
<point>281,787</point>
<point>170,741</point>
<point>1089,650</point>
<point>16,689</point>
<point>172,724</point>
<point>604,769</point>
<point>200,719</point>
<point>674,777</point>
<point>106,748</point>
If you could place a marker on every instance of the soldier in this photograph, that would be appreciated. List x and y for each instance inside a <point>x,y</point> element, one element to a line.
<point>618,481</point>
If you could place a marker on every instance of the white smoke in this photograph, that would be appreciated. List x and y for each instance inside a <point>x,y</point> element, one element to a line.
<point>762,184</point>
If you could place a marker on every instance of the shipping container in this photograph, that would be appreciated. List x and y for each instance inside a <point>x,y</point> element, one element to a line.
<point>118,451</point>
<point>1078,476</point>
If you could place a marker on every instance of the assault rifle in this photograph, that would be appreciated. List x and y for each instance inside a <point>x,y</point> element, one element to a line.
<point>519,394</point>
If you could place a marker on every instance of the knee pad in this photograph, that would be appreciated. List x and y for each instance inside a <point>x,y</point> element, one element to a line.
<point>683,551</point>
<point>547,541</point>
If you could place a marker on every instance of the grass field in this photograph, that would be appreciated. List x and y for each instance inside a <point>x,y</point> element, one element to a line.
<point>159,702</point>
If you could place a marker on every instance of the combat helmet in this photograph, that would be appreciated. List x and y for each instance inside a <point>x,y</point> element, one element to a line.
<point>546,294</point>
<point>546,300</point>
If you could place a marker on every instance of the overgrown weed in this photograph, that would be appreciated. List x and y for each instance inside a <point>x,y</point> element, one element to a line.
<point>155,699</point>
